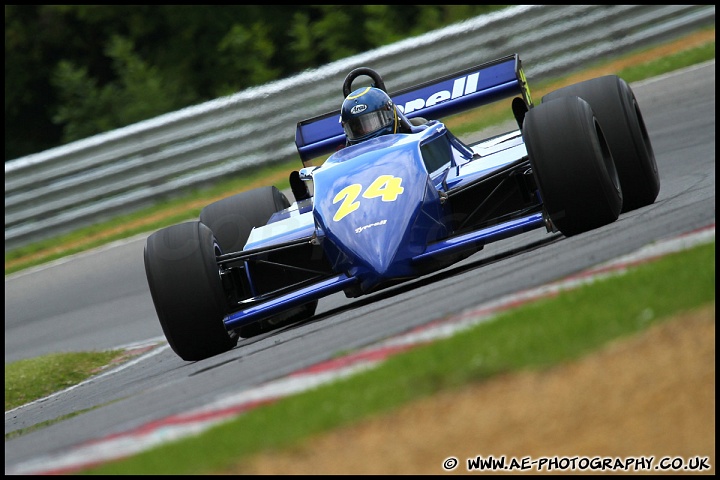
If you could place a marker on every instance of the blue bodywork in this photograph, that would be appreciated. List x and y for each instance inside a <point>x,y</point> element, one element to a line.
<point>399,206</point>
<point>379,237</point>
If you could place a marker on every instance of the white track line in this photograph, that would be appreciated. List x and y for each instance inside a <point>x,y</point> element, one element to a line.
<point>229,406</point>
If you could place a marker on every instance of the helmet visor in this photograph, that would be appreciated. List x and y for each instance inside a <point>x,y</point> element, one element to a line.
<point>368,123</point>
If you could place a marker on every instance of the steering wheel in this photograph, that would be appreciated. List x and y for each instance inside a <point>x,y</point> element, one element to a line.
<point>376,78</point>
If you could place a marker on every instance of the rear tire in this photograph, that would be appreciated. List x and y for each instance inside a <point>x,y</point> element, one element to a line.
<point>572,165</point>
<point>618,112</point>
<point>231,220</point>
<point>185,285</point>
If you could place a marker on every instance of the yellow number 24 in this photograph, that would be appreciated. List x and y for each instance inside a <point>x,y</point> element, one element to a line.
<point>387,187</point>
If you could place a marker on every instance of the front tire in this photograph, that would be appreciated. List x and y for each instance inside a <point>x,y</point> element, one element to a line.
<point>618,112</point>
<point>572,165</point>
<point>186,289</point>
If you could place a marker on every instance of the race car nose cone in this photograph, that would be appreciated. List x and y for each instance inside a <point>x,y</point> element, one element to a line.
<point>379,247</point>
<point>379,212</point>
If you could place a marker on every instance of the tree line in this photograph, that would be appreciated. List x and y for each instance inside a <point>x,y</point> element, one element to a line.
<point>72,71</point>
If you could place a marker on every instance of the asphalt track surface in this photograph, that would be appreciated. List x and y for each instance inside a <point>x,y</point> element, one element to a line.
<point>100,300</point>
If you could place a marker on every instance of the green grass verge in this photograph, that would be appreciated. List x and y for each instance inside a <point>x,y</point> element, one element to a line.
<point>33,378</point>
<point>536,336</point>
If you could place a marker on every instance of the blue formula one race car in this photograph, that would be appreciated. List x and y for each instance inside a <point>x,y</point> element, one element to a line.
<point>384,209</point>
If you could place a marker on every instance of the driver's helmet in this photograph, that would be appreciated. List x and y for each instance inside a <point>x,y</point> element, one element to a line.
<point>366,113</point>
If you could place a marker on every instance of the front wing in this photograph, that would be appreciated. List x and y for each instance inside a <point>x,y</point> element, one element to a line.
<point>256,309</point>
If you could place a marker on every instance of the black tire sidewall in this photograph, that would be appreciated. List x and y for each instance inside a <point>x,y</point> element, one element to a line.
<point>232,219</point>
<point>572,165</point>
<point>618,112</point>
<point>187,292</point>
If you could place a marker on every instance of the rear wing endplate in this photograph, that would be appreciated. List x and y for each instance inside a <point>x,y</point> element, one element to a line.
<point>455,93</point>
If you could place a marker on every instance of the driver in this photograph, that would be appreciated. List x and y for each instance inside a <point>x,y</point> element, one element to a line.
<point>369,112</point>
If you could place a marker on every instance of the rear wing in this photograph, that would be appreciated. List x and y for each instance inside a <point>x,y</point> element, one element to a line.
<point>448,95</point>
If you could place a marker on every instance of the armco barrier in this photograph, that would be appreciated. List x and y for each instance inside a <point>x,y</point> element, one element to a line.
<point>84,182</point>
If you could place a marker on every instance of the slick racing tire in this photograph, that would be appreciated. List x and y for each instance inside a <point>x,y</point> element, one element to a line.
<point>231,219</point>
<point>572,165</point>
<point>185,285</point>
<point>617,110</point>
